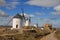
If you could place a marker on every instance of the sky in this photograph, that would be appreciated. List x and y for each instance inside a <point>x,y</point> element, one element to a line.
<point>41,11</point>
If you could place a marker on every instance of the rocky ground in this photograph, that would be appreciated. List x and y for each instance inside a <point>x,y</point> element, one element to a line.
<point>36,34</point>
<point>50,37</point>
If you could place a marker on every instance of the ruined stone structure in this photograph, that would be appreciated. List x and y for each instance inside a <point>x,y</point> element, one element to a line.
<point>49,26</point>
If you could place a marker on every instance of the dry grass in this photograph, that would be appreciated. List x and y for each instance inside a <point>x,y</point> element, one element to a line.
<point>6,33</point>
<point>58,33</point>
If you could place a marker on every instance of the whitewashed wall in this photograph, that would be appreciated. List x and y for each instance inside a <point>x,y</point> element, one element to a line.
<point>27,23</point>
<point>17,21</point>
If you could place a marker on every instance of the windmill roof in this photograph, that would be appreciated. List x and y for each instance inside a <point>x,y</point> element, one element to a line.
<point>17,16</point>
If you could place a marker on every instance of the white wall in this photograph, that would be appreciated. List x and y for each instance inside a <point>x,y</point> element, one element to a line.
<point>27,23</point>
<point>17,21</point>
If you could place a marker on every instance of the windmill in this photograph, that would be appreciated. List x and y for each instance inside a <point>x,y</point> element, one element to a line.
<point>28,21</point>
<point>17,19</point>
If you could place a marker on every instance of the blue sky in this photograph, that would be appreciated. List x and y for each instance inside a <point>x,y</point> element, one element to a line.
<point>41,11</point>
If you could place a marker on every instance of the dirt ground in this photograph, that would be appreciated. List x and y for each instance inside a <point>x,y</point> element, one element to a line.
<point>50,37</point>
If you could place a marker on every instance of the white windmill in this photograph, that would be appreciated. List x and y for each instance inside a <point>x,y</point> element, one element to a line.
<point>17,21</point>
<point>28,21</point>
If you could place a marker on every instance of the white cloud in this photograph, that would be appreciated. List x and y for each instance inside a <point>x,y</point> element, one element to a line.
<point>12,5</point>
<point>28,15</point>
<point>2,2</point>
<point>40,14</point>
<point>46,3</point>
<point>57,8</point>
<point>3,14</point>
<point>9,5</point>
<point>24,14</point>
<point>56,24</point>
<point>48,19</point>
<point>55,13</point>
<point>31,15</point>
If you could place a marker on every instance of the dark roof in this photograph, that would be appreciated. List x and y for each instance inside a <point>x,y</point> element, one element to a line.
<point>17,16</point>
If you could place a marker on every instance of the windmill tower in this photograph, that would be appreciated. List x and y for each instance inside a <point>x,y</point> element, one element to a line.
<point>28,21</point>
<point>17,21</point>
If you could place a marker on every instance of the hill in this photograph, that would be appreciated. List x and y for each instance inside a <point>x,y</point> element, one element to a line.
<point>27,33</point>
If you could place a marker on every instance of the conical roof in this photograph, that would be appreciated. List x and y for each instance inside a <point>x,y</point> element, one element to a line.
<point>17,16</point>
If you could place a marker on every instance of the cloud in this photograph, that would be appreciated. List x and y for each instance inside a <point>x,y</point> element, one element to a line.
<point>3,14</point>
<point>12,5</point>
<point>40,14</point>
<point>56,13</point>
<point>31,15</point>
<point>46,3</point>
<point>57,8</point>
<point>2,2</point>
<point>56,24</point>
<point>44,19</point>
<point>9,5</point>
<point>28,15</point>
<point>48,19</point>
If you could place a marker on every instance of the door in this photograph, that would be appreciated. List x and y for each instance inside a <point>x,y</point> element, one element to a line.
<point>16,26</point>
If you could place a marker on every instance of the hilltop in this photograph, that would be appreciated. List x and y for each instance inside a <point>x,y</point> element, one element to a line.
<point>28,33</point>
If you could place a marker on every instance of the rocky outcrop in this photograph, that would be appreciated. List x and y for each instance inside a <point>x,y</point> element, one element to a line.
<point>50,37</point>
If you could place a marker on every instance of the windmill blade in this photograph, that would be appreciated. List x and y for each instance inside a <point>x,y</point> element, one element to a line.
<point>9,21</point>
<point>23,15</point>
<point>22,10</point>
<point>30,19</point>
